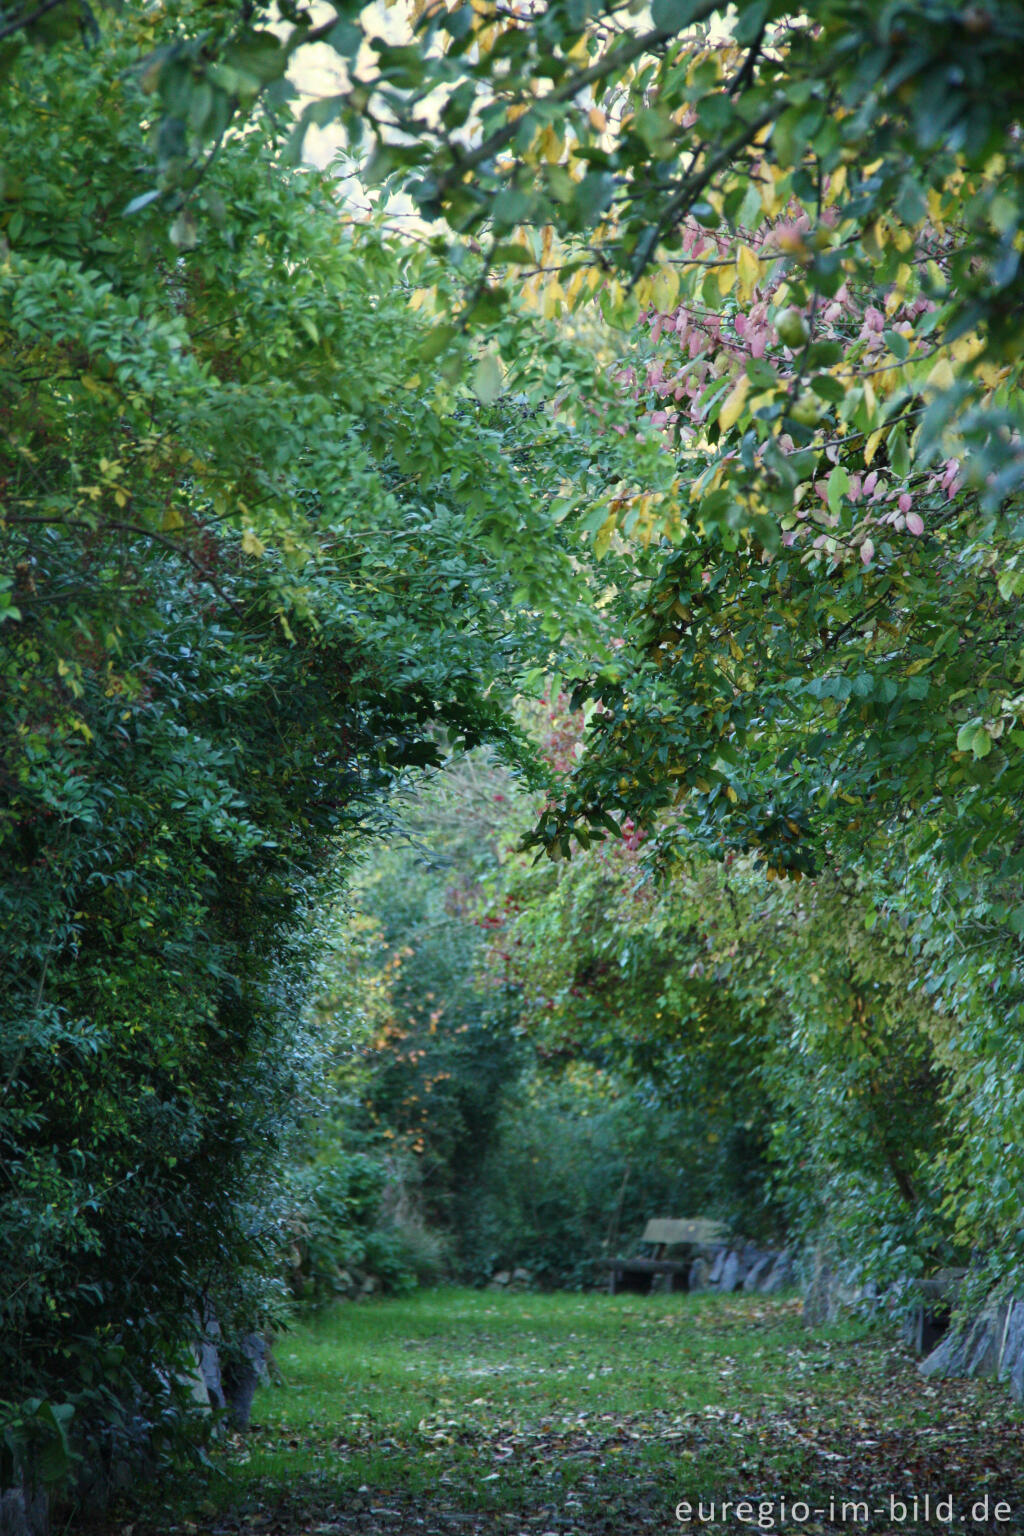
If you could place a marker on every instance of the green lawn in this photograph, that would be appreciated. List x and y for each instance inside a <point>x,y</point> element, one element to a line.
<point>468,1411</point>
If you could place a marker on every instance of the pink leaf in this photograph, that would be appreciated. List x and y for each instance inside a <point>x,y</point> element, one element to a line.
<point>915,523</point>
<point>867,551</point>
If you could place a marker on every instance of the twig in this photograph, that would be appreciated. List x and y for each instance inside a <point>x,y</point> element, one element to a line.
<point>7,29</point>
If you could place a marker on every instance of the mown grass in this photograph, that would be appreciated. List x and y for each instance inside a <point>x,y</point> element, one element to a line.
<point>466,1410</point>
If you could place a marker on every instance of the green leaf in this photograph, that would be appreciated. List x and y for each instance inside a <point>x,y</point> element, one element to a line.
<point>1011,584</point>
<point>838,485</point>
<point>673,15</point>
<point>826,387</point>
<point>898,345</point>
<point>899,453</point>
<point>488,379</point>
<point>436,341</point>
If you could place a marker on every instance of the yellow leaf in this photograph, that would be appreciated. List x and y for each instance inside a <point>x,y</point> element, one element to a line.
<point>726,278</point>
<point>575,283</point>
<point>992,376</point>
<point>941,376</point>
<point>836,184</point>
<point>553,300</point>
<point>251,544</point>
<point>873,444</point>
<point>666,289</point>
<point>886,381</point>
<point>733,405</point>
<point>772,200</point>
<point>936,276</point>
<point>870,399</point>
<point>550,145</point>
<point>934,200</point>
<point>604,536</point>
<point>966,348</point>
<point>749,270</point>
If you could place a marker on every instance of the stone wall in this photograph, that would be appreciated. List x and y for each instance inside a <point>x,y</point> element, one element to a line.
<point>974,1341</point>
<point>743,1267</point>
<point>24,1513</point>
<point>986,1342</point>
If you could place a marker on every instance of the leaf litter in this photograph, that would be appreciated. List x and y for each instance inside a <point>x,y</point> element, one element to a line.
<point>772,1412</point>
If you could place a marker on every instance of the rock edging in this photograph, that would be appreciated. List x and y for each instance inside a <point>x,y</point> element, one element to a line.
<point>987,1343</point>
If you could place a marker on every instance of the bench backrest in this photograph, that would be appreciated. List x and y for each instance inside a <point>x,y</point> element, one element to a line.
<point>698,1229</point>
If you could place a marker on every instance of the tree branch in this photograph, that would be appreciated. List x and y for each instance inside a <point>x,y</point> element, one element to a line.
<point>142,532</point>
<point>8,28</point>
<point>617,59</point>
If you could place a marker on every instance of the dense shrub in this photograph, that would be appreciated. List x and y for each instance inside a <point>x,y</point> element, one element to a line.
<point>574,1170</point>
<point>245,589</point>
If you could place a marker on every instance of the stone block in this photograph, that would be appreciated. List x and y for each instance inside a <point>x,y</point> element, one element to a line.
<point>732,1273</point>
<point>758,1272</point>
<point>24,1513</point>
<point>778,1277</point>
<point>698,1278</point>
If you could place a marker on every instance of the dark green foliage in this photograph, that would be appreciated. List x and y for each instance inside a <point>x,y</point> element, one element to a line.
<point>335,1227</point>
<point>263,555</point>
<point>527,1147</point>
<point>444,1050</point>
<point>571,1174</point>
<point>247,587</point>
<point>159,860</point>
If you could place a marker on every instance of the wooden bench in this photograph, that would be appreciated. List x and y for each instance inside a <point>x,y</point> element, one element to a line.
<point>661,1234</point>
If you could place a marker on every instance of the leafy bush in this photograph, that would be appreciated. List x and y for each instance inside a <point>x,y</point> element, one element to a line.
<point>229,629</point>
<point>340,1236</point>
<point>335,1206</point>
<point>426,1253</point>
